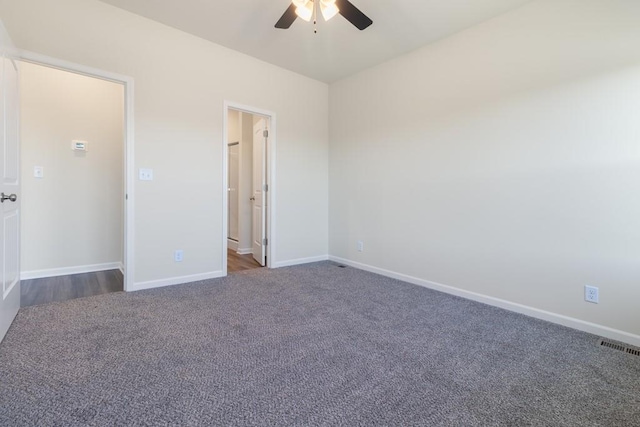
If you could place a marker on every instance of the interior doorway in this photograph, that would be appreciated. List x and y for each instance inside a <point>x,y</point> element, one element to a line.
<point>74,185</point>
<point>248,208</point>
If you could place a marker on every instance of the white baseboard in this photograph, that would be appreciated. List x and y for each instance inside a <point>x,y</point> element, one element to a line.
<point>175,280</point>
<point>300,261</point>
<point>234,246</point>
<point>121,268</point>
<point>560,319</point>
<point>54,272</point>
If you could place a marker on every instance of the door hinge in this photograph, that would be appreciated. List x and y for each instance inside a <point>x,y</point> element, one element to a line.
<point>126,197</point>
<point>265,133</point>
<point>266,187</point>
<point>265,242</point>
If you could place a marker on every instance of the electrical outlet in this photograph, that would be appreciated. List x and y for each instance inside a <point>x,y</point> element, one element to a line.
<point>591,294</point>
<point>38,171</point>
<point>178,255</point>
<point>360,246</point>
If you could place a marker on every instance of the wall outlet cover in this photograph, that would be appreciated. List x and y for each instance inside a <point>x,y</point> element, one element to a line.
<point>591,294</point>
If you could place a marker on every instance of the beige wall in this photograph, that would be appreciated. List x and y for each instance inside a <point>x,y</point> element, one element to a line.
<point>502,161</point>
<point>73,216</point>
<point>5,39</point>
<point>181,83</point>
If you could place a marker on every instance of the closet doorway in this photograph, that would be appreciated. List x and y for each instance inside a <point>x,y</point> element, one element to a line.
<point>248,208</point>
<point>73,181</point>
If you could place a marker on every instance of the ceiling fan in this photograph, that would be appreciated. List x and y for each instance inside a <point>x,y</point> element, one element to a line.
<point>307,9</point>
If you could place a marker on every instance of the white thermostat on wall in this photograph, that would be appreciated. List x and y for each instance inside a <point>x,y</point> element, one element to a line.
<point>79,145</point>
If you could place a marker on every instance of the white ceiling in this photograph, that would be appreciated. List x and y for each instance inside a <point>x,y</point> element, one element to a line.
<point>339,49</point>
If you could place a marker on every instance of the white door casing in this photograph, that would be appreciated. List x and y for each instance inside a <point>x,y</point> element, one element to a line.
<point>10,187</point>
<point>259,193</point>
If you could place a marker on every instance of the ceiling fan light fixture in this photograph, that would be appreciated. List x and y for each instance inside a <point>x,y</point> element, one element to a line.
<point>304,9</point>
<point>329,9</point>
<point>309,9</point>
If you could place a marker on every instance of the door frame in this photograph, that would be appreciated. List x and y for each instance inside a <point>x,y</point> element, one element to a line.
<point>129,170</point>
<point>271,180</point>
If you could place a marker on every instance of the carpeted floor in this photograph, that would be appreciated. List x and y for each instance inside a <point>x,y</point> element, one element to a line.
<point>305,346</point>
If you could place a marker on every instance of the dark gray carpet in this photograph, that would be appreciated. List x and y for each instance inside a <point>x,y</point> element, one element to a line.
<point>308,345</point>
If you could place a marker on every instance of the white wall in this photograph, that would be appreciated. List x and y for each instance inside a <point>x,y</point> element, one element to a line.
<point>233,170</point>
<point>502,161</point>
<point>181,83</point>
<point>234,130</point>
<point>233,183</point>
<point>73,216</point>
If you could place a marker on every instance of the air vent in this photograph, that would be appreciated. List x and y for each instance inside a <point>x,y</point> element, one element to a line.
<point>620,347</point>
<point>342,266</point>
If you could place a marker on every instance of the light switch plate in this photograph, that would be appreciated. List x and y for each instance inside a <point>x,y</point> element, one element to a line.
<point>38,171</point>
<point>146,175</point>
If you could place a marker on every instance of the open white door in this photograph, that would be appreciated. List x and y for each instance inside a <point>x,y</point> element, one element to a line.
<point>260,134</point>
<point>10,188</point>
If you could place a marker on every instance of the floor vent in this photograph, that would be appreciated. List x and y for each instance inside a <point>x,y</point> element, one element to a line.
<point>342,266</point>
<point>620,347</point>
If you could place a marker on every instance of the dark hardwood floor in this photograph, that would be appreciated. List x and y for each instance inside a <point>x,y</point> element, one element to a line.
<point>62,288</point>
<point>237,262</point>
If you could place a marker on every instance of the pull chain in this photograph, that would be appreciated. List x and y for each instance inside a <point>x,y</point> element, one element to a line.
<point>315,17</point>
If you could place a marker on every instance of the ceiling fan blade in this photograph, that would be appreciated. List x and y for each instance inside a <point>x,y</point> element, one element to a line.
<point>287,17</point>
<point>353,14</point>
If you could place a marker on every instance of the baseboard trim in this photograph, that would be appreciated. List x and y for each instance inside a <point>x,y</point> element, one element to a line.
<point>65,271</point>
<point>151,284</point>
<point>121,268</point>
<point>300,261</point>
<point>245,251</point>
<point>581,325</point>
<point>232,244</point>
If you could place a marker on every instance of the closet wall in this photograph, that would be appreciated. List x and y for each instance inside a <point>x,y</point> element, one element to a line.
<point>240,140</point>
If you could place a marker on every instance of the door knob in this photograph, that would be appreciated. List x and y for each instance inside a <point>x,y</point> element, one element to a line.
<point>11,197</point>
